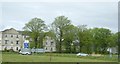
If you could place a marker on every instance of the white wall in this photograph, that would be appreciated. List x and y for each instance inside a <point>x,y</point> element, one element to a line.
<point>48,45</point>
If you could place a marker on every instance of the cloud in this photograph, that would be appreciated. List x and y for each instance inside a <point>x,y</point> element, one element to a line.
<point>93,14</point>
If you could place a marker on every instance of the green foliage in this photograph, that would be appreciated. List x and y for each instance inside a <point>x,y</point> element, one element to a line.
<point>65,34</point>
<point>101,39</point>
<point>59,25</point>
<point>34,29</point>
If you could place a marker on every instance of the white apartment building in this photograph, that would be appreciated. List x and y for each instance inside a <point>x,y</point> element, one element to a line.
<point>49,45</point>
<point>0,40</point>
<point>11,39</point>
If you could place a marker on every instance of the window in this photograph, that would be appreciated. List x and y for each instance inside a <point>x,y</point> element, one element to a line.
<point>16,48</point>
<point>5,35</point>
<point>51,43</point>
<point>17,42</point>
<point>46,48</point>
<point>24,36</point>
<point>6,41</point>
<point>5,48</point>
<point>12,42</point>
<point>17,36</point>
<point>51,49</point>
<point>11,35</point>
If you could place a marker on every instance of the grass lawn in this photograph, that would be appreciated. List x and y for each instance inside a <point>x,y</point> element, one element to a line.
<point>55,57</point>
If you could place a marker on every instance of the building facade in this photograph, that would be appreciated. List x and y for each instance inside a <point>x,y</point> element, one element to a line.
<point>11,39</point>
<point>49,44</point>
<point>0,40</point>
<point>113,50</point>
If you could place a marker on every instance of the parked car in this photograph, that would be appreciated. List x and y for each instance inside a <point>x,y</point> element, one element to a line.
<point>82,54</point>
<point>25,51</point>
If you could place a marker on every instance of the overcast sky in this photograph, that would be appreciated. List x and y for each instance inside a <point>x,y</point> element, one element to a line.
<point>92,14</point>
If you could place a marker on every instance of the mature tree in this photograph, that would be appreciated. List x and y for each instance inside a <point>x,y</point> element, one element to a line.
<point>35,27</point>
<point>59,24</point>
<point>69,37</point>
<point>87,41</point>
<point>81,36</point>
<point>113,40</point>
<point>101,39</point>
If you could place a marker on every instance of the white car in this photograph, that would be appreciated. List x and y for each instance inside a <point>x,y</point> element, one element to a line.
<point>25,53</point>
<point>82,54</point>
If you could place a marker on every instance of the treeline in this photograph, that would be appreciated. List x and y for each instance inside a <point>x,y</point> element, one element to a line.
<point>70,38</point>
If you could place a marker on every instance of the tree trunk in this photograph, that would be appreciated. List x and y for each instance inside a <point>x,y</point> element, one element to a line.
<point>60,43</point>
<point>60,47</point>
<point>41,43</point>
<point>80,47</point>
<point>35,41</point>
<point>74,48</point>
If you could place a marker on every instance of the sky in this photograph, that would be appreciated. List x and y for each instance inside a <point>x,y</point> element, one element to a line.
<point>93,14</point>
<point>59,0</point>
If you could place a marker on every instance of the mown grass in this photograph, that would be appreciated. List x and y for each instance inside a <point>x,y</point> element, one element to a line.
<point>55,57</point>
